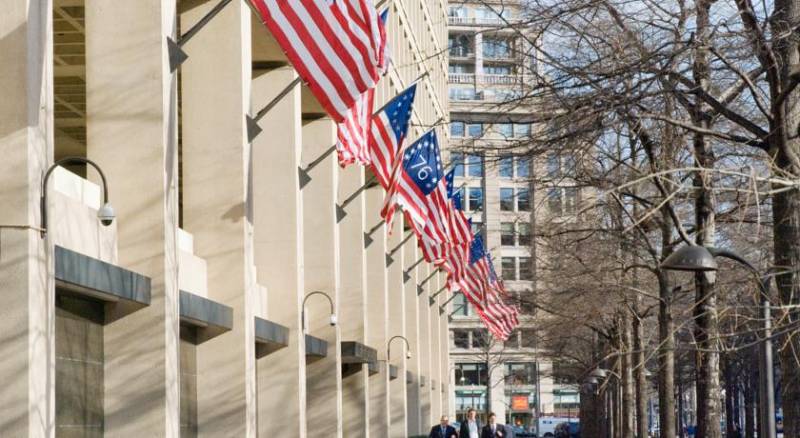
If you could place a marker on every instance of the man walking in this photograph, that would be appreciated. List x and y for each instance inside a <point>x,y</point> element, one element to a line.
<point>471,427</point>
<point>492,430</point>
<point>443,430</point>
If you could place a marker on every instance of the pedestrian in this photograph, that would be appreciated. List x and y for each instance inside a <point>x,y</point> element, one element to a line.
<point>493,430</point>
<point>444,429</point>
<point>471,427</point>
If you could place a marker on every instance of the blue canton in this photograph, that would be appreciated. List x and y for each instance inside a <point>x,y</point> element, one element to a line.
<point>422,162</point>
<point>448,179</point>
<point>398,111</point>
<point>476,250</point>
<point>457,203</point>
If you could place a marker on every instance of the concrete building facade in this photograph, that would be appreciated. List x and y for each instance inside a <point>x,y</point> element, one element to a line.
<point>204,308</point>
<point>491,65</point>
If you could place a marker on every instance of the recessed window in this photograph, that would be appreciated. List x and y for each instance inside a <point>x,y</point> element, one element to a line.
<point>570,200</point>
<point>523,167</point>
<point>524,234</point>
<point>458,163</point>
<point>475,199</point>
<point>506,199</point>
<point>475,130</point>
<point>507,233</point>
<point>509,268</point>
<point>506,166</point>
<point>457,129</point>
<point>461,338</point>
<point>460,305</point>
<point>522,130</point>
<point>475,165</point>
<point>505,129</point>
<point>523,200</point>
<point>525,269</point>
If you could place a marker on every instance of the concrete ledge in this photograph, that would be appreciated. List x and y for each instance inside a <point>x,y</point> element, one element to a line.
<point>122,290</point>
<point>316,348</point>
<point>373,367</point>
<point>209,317</point>
<point>393,371</point>
<point>354,355</point>
<point>270,337</point>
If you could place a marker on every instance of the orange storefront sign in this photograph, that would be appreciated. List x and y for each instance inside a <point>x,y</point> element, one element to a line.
<point>519,402</point>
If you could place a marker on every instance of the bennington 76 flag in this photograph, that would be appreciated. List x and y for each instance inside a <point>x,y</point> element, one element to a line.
<point>336,46</point>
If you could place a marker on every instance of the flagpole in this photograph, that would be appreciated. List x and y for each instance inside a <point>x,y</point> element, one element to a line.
<point>252,122</point>
<point>176,54</point>
<point>421,77</point>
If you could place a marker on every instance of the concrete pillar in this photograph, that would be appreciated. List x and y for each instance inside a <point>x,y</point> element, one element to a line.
<point>353,296</point>
<point>425,347</point>
<point>279,243</point>
<point>26,144</point>
<point>478,53</point>
<point>378,315</point>
<point>432,286</point>
<point>321,246</point>
<point>444,348</point>
<point>132,135</point>
<point>546,387</point>
<point>217,209</point>
<point>413,395</point>
<point>497,390</point>
<point>397,326</point>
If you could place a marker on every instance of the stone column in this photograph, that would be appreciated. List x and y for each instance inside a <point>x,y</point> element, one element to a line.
<point>131,99</point>
<point>397,326</point>
<point>498,389</point>
<point>353,297</point>
<point>425,346</point>
<point>444,348</point>
<point>321,257</point>
<point>378,314</point>
<point>432,286</point>
<point>413,395</point>
<point>26,143</point>
<point>217,209</point>
<point>279,243</point>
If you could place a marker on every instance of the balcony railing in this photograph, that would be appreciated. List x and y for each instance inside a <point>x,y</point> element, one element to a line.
<point>471,78</point>
<point>479,21</point>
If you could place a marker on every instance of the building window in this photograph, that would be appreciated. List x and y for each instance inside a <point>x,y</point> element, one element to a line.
<point>471,374</point>
<point>523,167</point>
<point>80,361</point>
<point>513,340</point>
<point>475,165</point>
<point>494,48</point>
<point>475,130</point>
<point>457,160</point>
<point>506,199</point>
<point>477,228</point>
<point>461,68</point>
<point>553,166</point>
<point>475,199</point>
<point>466,399</point>
<point>507,233</point>
<point>506,167</point>
<point>525,270</point>
<point>505,129</point>
<point>522,130</point>
<point>554,200</point>
<point>521,373</point>
<point>524,234</point>
<point>460,305</point>
<point>523,200</point>
<point>461,338</point>
<point>504,70</point>
<point>509,268</point>
<point>457,129</point>
<point>480,338</point>
<point>570,200</point>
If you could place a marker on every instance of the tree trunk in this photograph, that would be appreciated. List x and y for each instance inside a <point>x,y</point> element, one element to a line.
<point>730,397</point>
<point>626,373</point>
<point>666,360</point>
<point>642,393</point>
<point>749,404</point>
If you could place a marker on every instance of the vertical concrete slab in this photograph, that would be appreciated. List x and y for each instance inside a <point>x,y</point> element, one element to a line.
<point>425,347</point>
<point>218,212</point>
<point>444,347</point>
<point>279,243</point>
<point>131,99</point>
<point>353,296</point>
<point>321,257</point>
<point>26,144</point>
<point>378,314</point>
<point>413,390</point>
<point>432,286</point>
<point>397,326</point>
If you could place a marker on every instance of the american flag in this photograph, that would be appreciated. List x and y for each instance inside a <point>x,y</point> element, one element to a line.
<point>388,130</point>
<point>460,229</point>
<point>336,46</point>
<point>353,133</point>
<point>480,290</point>
<point>417,175</point>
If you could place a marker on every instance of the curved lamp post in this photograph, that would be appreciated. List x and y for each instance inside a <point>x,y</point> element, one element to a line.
<point>389,347</point>
<point>105,214</point>
<point>303,311</point>
<point>696,258</point>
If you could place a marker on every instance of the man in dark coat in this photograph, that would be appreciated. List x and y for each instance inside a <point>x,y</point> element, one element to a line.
<point>443,430</point>
<point>493,430</point>
<point>470,427</point>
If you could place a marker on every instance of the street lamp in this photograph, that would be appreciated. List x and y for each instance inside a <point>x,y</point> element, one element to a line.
<point>105,214</point>
<point>694,258</point>
<point>330,300</point>
<point>389,347</point>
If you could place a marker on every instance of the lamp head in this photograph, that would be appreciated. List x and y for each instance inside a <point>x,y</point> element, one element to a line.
<point>591,380</point>
<point>598,373</point>
<point>106,214</point>
<point>333,320</point>
<point>408,354</point>
<point>693,258</point>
